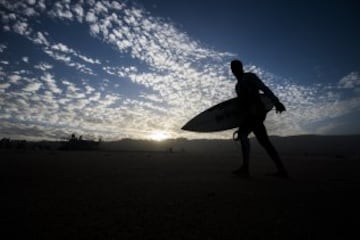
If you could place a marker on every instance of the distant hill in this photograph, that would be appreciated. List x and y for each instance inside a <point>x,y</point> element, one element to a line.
<point>305,144</point>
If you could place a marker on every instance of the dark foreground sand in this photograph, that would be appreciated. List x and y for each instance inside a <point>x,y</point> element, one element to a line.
<point>144,195</point>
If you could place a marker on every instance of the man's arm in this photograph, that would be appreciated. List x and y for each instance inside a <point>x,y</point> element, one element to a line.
<point>260,85</point>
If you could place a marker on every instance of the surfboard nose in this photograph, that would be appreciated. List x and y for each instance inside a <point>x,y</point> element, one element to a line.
<point>194,127</point>
<point>187,127</point>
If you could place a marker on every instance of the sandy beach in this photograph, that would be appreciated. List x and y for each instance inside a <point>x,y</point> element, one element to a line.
<point>180,195</point>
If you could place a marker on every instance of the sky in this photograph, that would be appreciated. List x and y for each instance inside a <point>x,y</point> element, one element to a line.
<point>142,69</point>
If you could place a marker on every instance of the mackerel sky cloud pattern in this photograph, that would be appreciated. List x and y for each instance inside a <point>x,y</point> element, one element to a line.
<point>112,69</point>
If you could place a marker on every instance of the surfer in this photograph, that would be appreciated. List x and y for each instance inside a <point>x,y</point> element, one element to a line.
<point>253,110</point>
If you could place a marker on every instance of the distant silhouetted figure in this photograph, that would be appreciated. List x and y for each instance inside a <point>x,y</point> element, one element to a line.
<point>253,110</point>
<point>73,138</point>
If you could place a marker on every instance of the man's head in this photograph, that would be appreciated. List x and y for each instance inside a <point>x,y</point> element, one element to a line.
<point>237,68</point>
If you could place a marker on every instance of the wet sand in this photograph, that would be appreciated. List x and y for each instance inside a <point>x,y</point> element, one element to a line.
<point>160,195</point>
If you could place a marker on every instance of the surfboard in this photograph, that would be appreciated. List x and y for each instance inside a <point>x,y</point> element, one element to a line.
<point>223,116</point>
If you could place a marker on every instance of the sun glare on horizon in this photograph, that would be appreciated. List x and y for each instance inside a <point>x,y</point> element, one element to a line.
<point>159,136</point>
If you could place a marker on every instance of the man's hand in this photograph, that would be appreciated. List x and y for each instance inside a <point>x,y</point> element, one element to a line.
<point>279,107</point>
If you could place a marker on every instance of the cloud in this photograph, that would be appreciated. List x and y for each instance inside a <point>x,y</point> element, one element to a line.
<point>58,56</point>
<point>88,59</point>
<point>62,48</point>
<point>32,87</point>
<point>51,83</point>
<point>4,86</point>
<point>43,66</point>
<point>94,29</point>
<point>31,2</point>
<point>91,17</point>
<point>40,39</point>
<point>64,54</point>
<point>2,47</point>
<point>100,8</point>
<point>352,80</point>
<point>14,79</point>
<point>25,59</point>
<point>61,10</point>
<point>30,12</point>
<point>58,51</point>
<point>89,89</point>
<point>21,28</point>
<point>79,12</point>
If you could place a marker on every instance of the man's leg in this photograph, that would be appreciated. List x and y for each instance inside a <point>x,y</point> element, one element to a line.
<point>263,138</point>
<point>245,148</point>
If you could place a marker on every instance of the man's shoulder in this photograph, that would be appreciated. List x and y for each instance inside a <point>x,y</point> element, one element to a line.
<point>250,75</point>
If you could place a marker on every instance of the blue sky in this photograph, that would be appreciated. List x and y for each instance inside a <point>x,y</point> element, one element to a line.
<point>136,69</point>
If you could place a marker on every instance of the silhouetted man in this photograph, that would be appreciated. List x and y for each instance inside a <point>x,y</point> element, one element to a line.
<point>253,110</point>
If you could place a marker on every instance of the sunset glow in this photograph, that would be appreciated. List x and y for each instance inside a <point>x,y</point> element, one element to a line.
<point>159,136</point>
